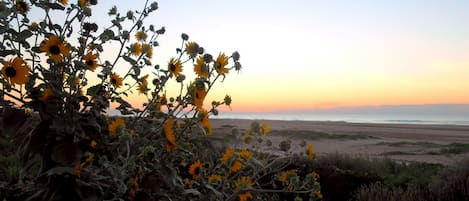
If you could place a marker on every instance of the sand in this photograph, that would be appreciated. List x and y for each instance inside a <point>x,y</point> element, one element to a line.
<point>403,142</point>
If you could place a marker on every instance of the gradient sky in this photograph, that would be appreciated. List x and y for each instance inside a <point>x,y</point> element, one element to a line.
<point>326,53</point>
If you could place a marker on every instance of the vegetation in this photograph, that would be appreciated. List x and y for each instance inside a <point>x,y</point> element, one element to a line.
<point>59,76</point>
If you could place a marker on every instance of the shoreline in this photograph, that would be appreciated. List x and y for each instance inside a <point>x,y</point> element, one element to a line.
<point>406,142</point>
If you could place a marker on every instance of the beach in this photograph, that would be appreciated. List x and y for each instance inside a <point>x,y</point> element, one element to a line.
<point>443,144</point>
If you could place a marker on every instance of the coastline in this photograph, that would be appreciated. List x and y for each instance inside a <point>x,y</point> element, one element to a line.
<point>407,142</point>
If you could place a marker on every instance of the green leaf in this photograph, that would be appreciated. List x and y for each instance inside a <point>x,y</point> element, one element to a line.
<point>130,60</point>
<point>25,34</point>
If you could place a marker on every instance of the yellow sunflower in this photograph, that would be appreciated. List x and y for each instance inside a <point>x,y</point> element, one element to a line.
<point>161,101</point>
<point>195,169</point>
<point>229,152</point>
<point>245,196</point>
<point>310,151</point>
<point>114,126</point>
<point>200,68</point>
<point>213,178</point>
<point>148,50</point>
<point>55,48</point>
<point>116,80</point>
<point>175,67</point>
<point>220,64</point>
<point>22,6</point>
<point>192,49</point>
<point>243,183</point>
<point>237,165</point>
<point>136,49</point>
<point>170,142</point>
<point>315,175</point>
<point>206,122</point>
<point>264,129</point>
<point>285,175</point>
<point>143,85</point>
<point>83,3</point>
<point>90,61</point>
<point>15,71</point>
<point>63,2</point>
<point>245,153</point>
<point>199,96</point>
<point>141,36</point>
<point>93,144</point>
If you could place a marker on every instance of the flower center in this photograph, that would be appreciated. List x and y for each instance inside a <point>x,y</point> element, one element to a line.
<point>89,62</point>
<point>113,81</point>
<point>54,49</point>
<point>172,67</point>
<point>197,171</point>
<point>10,71</point>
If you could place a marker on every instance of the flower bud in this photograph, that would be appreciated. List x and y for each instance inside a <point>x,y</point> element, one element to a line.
<point>154,6</point>
<point>180,78</point>
<point>237,66</point>
<point>201,50</point>
<point>130,15</point>
<point>112,11</point>
<point>227,100</point>
<point>161,30</point>
<point>184,36</point>
<point>235,56</point>
<point>208,58</point>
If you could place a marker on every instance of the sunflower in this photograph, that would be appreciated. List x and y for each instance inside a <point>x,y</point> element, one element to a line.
<point>136,49</point>
<point>114,126</point>
<point>141,36</point>
<point>63,2</point>
<point>315,175</point>
<point>170,142</point>
<point>55,48</point>
<point>133,187</point>
<point>199,96</point>
<point>243,183</point>
<point>83,3</point>
<point>200,68</point>
<point>284,176</point>
<point>194,169</point>
<point>237,165</point>
<point>15,71</point>
<point>245,196</point>
<point>264,129</point>
<point>192,49</point>
<point>93,144</point>
<point>187,183</point>
<point>206,122</point>
<point>245,153</point>
<point>22,6</point>
<point>148,50</point>
<point>46,95</point>
<point>220,64</point>
<point>90,61</point>
<point>161,101</point>
<point>227,155</point>
<point>213,178</point>
<point>175,67</point>
<point>143,86</point>
<point>77,170</point>
<point>116,80</point>
<point>310,151</point>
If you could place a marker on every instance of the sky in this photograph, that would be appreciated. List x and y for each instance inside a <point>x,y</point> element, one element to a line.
<point>306,54</point>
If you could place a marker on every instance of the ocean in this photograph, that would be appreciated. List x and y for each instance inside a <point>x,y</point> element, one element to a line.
<point>436,119</point>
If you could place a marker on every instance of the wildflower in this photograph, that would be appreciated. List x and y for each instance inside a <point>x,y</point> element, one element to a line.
<point>200,68</point>
<point>63,2</point>
<point>136,49</point>
<point>22,6</point>
<point>229,152</point>
<point>315,175</point>
<point>15,71</point>
<point>206,122</point>
<point>133,187</point>
<point>237,165</point>
<point>245,196</point>
<point>34,26</point>
<point>170,142</point>
<point>90,61</point>
<point>194,169</point>
<point>245,153</point>
<point>141,36</point>
<point>174,67</point>
<point>55,48</point>
<point>83,3</point>
<point>199,96</point>
<point>116,124</point>
<point>213,178</point>
<point>284,176</point>
<point>77,170</point>
<point>143,86</point>
<point>93,144</point>
<point>310,151</point>
<point>28,111</point>
<point>148,50</point>
<point>187,183</point>
<point>243,183</point>
<point>161,101</point>
<point>264,129</point>
<point>220,64</point>
<point>46,95</point>
<point>116,80</point>
<point>192,49</point>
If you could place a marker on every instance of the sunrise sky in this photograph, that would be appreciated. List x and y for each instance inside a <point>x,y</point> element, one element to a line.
<point>326,53</point>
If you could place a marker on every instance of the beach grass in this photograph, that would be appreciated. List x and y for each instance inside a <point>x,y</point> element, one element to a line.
<point>317,135</point>
<point>452,148</point>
